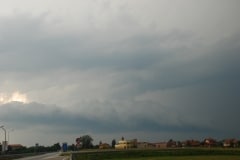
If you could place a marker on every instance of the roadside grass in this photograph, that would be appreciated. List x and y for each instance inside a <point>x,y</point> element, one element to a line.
<point>65,153</point>
<point>163,154</point>
<point>15,156</point>
<point>187,158</point>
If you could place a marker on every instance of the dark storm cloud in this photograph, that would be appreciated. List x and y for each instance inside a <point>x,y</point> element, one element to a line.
<point>21,116</point>
<point>26,45</point>
<point>206,83</point>
<point>119,77</point>
<point>219,62</point>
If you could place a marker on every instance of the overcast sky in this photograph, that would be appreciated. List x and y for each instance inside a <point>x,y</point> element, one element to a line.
<point>146,69</point>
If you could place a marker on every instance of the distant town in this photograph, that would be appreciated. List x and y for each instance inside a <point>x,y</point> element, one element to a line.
<point>134,143</point>
<point>85,142</point>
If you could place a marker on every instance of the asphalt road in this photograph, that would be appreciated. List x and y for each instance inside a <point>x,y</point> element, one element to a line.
<point>48,156</point>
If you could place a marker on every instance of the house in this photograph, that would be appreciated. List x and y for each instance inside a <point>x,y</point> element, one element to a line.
<point>171,144</point>
<point>145,145</point>
<point>104,146</point>
<point>191,143</point>
<point>230,143</point>
<point>15,146</point>
<point>209,142</point>
<point>126,144</point>
<point>161,145</point>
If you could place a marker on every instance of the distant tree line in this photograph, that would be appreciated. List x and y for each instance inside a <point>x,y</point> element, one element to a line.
<point>33,149</point>
<point>85,142</point>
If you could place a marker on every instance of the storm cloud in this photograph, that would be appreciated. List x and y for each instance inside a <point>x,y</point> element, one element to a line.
<point>152,70</point>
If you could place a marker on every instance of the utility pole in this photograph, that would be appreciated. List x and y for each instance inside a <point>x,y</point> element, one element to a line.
<point>11,130</point>
<point>4,145</point>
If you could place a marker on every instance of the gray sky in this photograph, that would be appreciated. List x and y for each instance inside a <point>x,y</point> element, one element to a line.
<point>146,69</point>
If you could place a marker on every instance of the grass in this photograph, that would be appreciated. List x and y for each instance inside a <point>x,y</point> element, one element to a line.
<point>65,153</point>
<point>163,154</point>
<point>187,158</point>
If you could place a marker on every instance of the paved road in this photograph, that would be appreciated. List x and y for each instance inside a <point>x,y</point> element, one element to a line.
<point>49,156</point>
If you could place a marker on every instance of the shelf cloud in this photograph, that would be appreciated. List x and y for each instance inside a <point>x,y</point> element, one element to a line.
<point>116,68</point>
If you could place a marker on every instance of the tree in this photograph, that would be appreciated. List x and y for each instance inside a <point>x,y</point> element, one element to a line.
<point>72,147</point>
<point>113,143</point>
<point>56,147</point>
<point>86,141</point>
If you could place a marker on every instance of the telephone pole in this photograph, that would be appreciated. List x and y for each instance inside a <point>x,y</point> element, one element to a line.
<point>4,144</point>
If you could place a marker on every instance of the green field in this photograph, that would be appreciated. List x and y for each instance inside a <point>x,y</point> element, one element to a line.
<point>187,158</point>
<point>160,154</point>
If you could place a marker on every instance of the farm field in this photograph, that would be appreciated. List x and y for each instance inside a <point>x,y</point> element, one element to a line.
<point>162,154</point>
<point>187,158</point>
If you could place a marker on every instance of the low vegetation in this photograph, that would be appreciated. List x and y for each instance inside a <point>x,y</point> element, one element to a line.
<point>188,158</point>
<point>192,153</point>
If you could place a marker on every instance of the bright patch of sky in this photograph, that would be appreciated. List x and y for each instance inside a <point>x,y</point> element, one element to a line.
<point>14,97</point>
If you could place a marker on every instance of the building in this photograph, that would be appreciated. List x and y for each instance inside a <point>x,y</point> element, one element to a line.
<point>210,142</point>
<point>191,143</point>
<point>145,145</point>
<point>104,146</point>
<point>126,144</point>
<point>230,143</point>
<point>161,145</point>
<point>171,144</point>
<point>15,146</point>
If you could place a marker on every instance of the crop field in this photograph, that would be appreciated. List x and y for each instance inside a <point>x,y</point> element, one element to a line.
<point>160,154</point>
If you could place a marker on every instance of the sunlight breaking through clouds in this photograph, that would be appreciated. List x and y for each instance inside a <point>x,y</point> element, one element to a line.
<point>13,97</point>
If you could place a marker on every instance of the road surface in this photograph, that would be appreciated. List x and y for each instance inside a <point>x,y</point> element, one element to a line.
<point>48,156</point>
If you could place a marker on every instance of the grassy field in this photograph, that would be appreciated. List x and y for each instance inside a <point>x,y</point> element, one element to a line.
<point>160,154</point>
<point>187,158</point>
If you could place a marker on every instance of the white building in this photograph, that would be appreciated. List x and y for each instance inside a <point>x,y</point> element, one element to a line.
<point>126,144</point>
